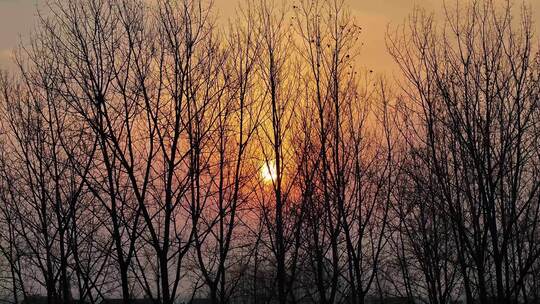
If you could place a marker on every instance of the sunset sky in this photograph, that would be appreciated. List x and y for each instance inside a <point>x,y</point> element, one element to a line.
<point>17,18</point>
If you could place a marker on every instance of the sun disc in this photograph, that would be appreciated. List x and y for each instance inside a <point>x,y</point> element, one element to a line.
<point>268,171</point>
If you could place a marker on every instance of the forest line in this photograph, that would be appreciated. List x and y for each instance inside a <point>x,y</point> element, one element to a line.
<point>148,152</point>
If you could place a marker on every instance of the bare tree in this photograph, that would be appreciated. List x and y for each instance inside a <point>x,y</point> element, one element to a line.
<point>222,238</point>
<point>277,71</point>
<point>473,94</point>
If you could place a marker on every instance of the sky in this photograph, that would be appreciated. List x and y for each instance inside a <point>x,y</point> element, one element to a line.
<point>18,18</point>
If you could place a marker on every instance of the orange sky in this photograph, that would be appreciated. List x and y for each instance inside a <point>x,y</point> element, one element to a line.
<point>17,17</point>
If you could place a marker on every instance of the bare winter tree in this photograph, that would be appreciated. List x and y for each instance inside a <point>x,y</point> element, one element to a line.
<point>138,76</point>
<point>223,236</point>
<point>11,247</point>
<point>45,186</point>
<point>277,75</point>
<point>349,184</point>
<point>473,102</point>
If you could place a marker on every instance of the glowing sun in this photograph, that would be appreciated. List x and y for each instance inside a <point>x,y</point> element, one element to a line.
<point>268,171</point>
